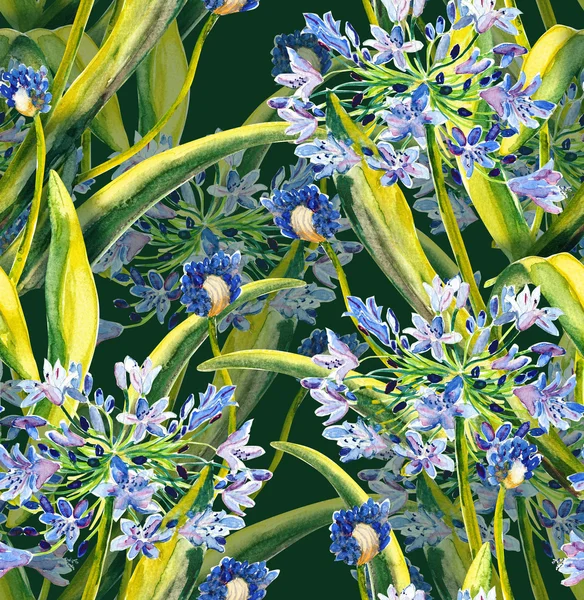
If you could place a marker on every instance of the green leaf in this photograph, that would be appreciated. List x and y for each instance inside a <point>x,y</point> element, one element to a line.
<point>446,567</point>
<point>22,49</point>
<point>176,349</point>
<point>141,24</point>
<point>70,292</point>
<point>558,56</point>
<point>14,585</point>
<point>160,78</point>
<point>566,229</point>
<point>173,575</point>
<point>390,565</point>
<point>480,572</point>
<point>371,399</point>
<point>112,210</point>
<point>190,16</point>
<point>266,539</point>
<point>22,14</point>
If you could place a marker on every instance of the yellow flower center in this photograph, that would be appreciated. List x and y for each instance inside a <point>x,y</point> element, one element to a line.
<point>368,541</point>
<point>301,221</point>
<point>515,475</point>
<point>230,7</point>
<point>23,103</point>
<point>218,294</point>
<point>237,589</point>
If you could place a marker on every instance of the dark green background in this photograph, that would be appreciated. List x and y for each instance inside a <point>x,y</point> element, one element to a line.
<point>233,78</point>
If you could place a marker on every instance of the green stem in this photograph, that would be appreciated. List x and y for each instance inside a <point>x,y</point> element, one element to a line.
<point>286,428</point>
<point>53,11</point>
<point>45,590</point>
<point>535,578</point>
<point>499,546</point>
<point>362,580</point>
<point>127,154</point>
<point>224,372</point>
<point>86,147</point>
<point>450,223</point>
<point>469,515</point>
<point>544,156</point>
<point>68,60</point>
<point>370,12</point>
<point>31,223</point>
<point>126,576</point>
<point>118,6</point>
<point>547,13</point>
<point>100,552</point>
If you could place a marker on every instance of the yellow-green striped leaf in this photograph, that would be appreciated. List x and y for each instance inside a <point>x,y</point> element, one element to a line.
<point>480,572</point>
<point>22,14</point>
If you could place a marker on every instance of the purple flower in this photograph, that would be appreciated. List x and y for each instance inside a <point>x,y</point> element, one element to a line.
<point>358,440</point>
<point>58,384</point>
<point>158,295</point>
<point>328,31</point>
<point>25,475</point>
<point>421,528</point>
<point>12,558</point>
<point>487,494</point>
<point>513,103</point>
<point>238,190</point>
<point>210,528</point>
<point>238,492</point>
<point>473,66</point>
<point>398,10</point>
<point>339,359</point>
<point>424,456</point>
<point>29,423</point>
<point>211,404</point>
<point>573,564</point>
<point>147,419</point>
<point>141,378</point>
<point>408,593</point>
<point>527,313</point>
<point>509,52</point>
<point>512,461</point>
<point>509,362</point>
<point>510,543</point>
<point>471,150</point>
<point>483,15</point>
<point>66,438</point>
<point>122,252</point>
<point>368,316</point>
<point>398,165</point>
<point>409,116</point>
<point>129,490</point>
<point>541,187</point>
<point>141,538</point>
<point>234,450</point>
<point>303,123</point>
<point>437,409</point>
<point>304,77</point>
<point>52,566</point>
<point>333,403</point>
<point>546,352</point>
<point>431,336</point>
<point>387,484</point>
<point>391,46</point>
<point>328,156</point>
<point>68,523</point>
<point>561,520</point>
<point>442,294</point>
<point>546,404</point>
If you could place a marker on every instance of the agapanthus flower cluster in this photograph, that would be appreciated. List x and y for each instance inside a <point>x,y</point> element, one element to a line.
<point>26,89</point>
<point>140,460</point>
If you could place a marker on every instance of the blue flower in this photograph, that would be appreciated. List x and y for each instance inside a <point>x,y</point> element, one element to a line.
<point>398,165</point>
<point>147,419</point>
<point>302,303</point>
<point>158,295</point>
<point>513,103</point>
<point>424,456</point>
<point>211,405</point>
<point>26,90</point>
<point>123,251</point>
<point>358,440</point>
<point>301,116</point>
<point>237,580</point>
<point>138,538</point>
<point>209,286</point>
<point>228,7</point>
<point>68,523</point>
<point>431,336</point>
<point>512,461</point>
<point>328,31</point>
<point>561,520</point>
<point>304,78</point>
<point>317,343</point>
<point>392,46</point>
<point>421,528</point>
<point>238,190</point>
<point>17,423</point>
<point>328,156</point>
<point>541,187</point>
<point>305,214</point>
<point>12,558</point>
<point>359,534</point>
<point>210,528</point>
<point>471,150</point>
<point>306,45</point>
<point>509,52</point>
<point>483,15</point>
<point>368,316</point>
<point>129,490</point>
<point>573,564</point>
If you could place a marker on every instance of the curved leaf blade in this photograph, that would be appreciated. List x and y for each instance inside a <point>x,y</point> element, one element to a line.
<point>480,572</point>
<point>22,14</point>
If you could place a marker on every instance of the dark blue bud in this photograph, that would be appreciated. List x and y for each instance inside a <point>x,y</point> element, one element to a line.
<point>93,462</point>
<point>357,99</point>
<point>390,386</point>
<point>494,172</point>
<point>496,408</point>
<point>536,431</point>
<point>440,78</point>
<point>481,472</point>
<point>171,492</point>
<point>172,523</point>
<point>467,84</point>
<point>98,450</point>
<point>501,381</point>
<point>547,549</point>
<point>15,531</point>
<point>368,119</point>
<point>182,472</point>
<point>399,88</point>
<point>445,90</point>
<point>434,378</point>
<point>476,372</point>
<point>30,531</point>
<point>83,546</point>
<point>493,346</point>
<point>480,384</point>
<point>139,460</point>
<point>367,151</point>
<point>525,151</point>
<point>554,485</point>
<point>464,112</point>
<point>455,51</point>
<point>74,485</point>
<point>84,423</point>
<point>509,159</point>
<point>394,438</point>
<point>456,176</point>
<point>121,303</point>
<point>399,407</point>
<point>44,546</point>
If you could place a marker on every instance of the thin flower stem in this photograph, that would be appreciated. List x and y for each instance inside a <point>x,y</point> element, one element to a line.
<point>224,372</point>
<point>450,223</point>
<point>104,532</point>
<point>547,13</point>
<point>469,515</point>
<point>68,60</point>
<point>362,580</point>
<point>525,531</point>
<point>45,590</point>
<point>31,222</point>
<point>298,399</point>
<point>123,156</point>
<point>370,12</point>
<point>544,156</point>
<point>86,148</point>
<point>499,544</point>
<point>126,576</point>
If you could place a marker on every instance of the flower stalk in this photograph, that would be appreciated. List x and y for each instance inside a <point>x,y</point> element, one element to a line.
<point>362,575</point>
<point>370,12</point>
<point>544,156</point>
<point>547,13</point>
<point>499,544</point>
